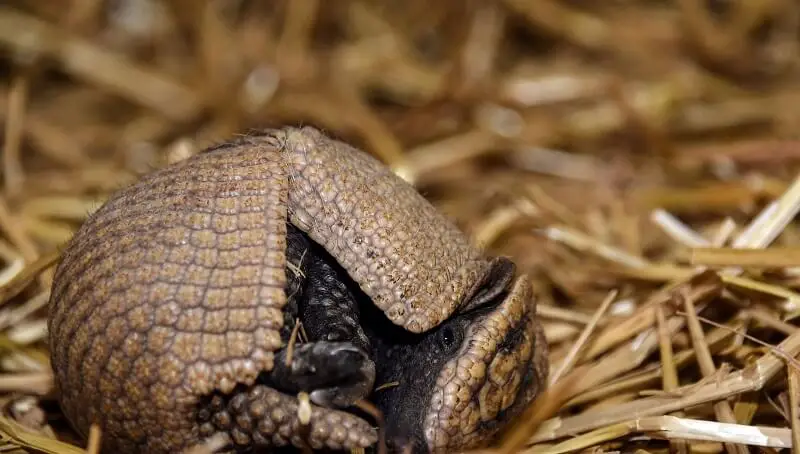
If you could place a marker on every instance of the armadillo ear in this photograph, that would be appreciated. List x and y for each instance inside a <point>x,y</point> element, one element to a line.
<point>494,283</point>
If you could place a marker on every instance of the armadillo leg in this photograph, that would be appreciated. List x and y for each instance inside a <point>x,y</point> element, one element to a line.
<point>261,417</point>
<point>335,374</point>
<point>321,292</point>
<point>336,367</point>
<point>329,309</point>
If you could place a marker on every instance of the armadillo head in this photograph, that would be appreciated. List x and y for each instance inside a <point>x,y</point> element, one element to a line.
<point>455,386</point>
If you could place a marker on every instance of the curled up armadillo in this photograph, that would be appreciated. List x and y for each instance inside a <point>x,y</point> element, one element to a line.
<point>172,306</point>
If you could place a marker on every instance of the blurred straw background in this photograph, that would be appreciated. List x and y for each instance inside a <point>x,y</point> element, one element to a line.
<point>638,158</point>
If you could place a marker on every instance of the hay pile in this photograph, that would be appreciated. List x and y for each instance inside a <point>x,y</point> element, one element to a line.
<point>638,159</point>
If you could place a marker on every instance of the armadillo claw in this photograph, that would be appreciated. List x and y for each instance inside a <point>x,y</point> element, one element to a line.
<point>336,374</point>
<point>263,417</point>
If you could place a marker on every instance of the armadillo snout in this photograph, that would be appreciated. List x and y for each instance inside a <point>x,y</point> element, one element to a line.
<point>499,369</point>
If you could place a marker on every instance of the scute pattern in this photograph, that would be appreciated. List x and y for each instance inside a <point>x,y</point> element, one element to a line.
<point>501,367</point>
<point>171,290</point>
<point>263,417</point>
<point>379,229</point>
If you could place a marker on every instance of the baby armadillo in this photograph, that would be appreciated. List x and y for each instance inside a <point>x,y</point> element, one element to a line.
<point>168,309</point>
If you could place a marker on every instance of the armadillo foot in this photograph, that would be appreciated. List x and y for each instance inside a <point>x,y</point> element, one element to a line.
<point>335,374</point>
<point>261,417</point>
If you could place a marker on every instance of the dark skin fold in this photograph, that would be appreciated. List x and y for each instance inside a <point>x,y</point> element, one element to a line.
<point>334,310</point>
